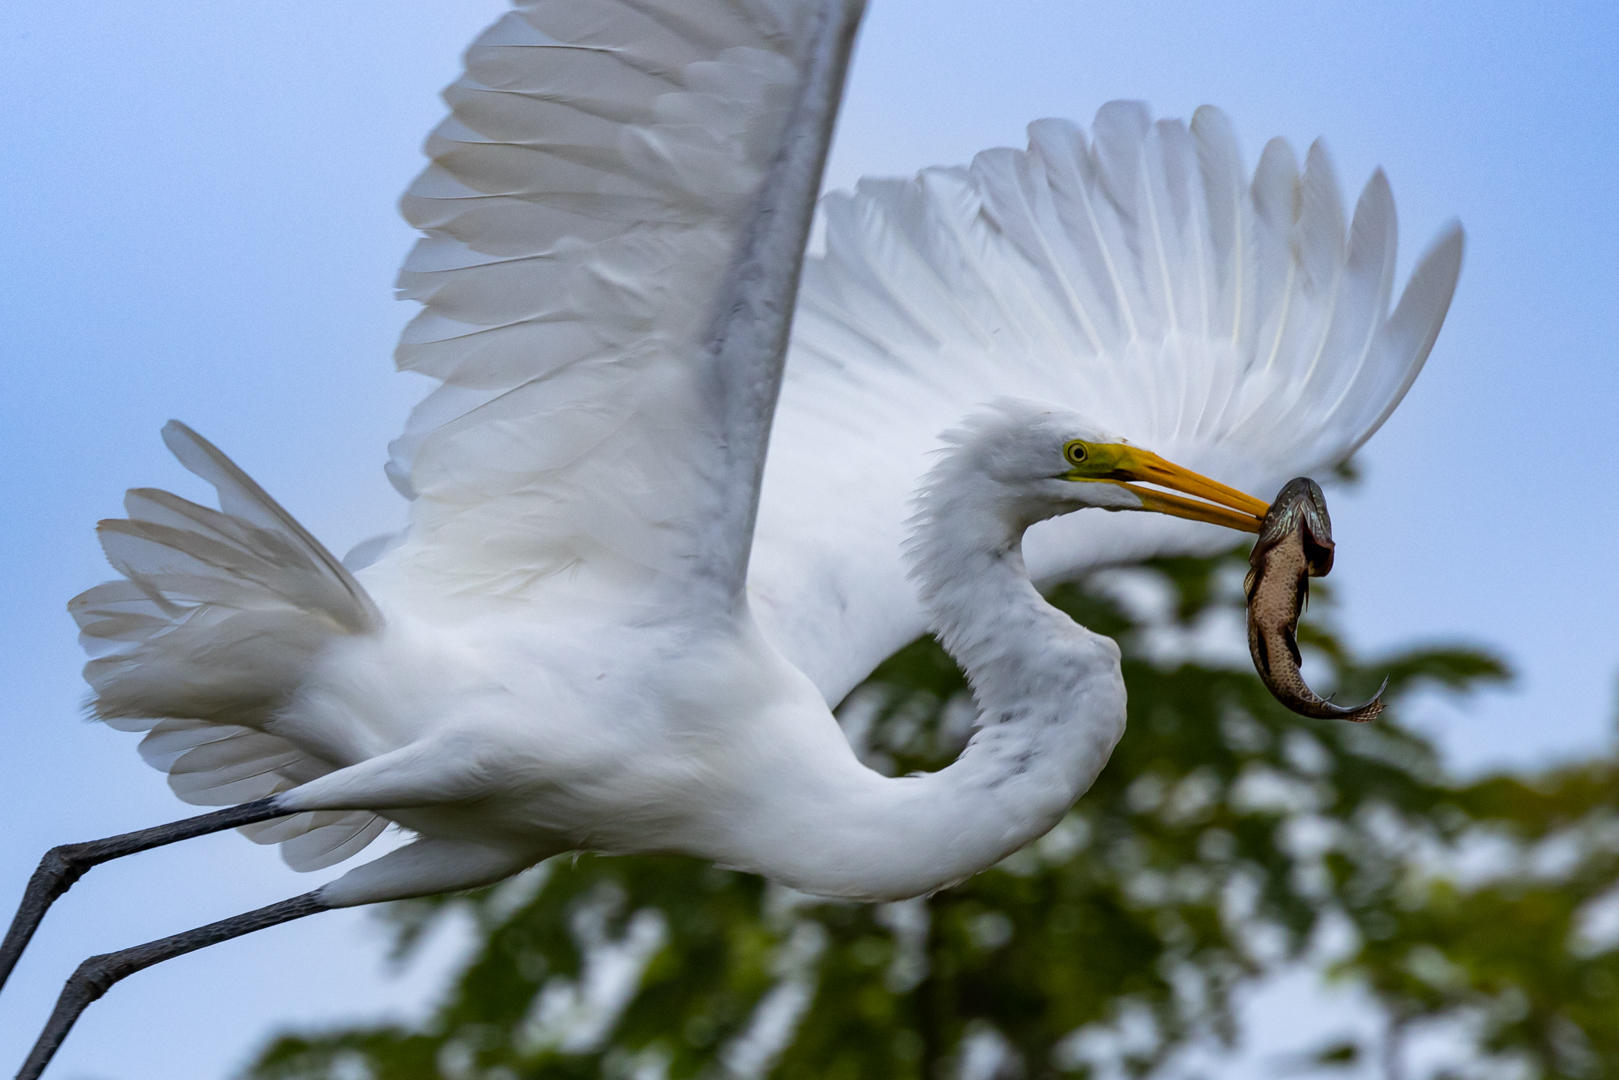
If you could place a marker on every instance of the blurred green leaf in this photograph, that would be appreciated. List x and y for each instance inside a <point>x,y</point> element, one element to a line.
<point>1223,835</point>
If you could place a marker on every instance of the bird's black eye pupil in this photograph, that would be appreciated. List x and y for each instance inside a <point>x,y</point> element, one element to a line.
<point>1076,453</point>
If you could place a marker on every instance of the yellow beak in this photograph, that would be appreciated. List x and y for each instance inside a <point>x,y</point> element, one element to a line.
<point>1215,502</point>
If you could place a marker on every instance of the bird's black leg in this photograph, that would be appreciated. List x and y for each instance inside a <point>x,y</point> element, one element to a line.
<point>97,974</point>
<point>64,865</point>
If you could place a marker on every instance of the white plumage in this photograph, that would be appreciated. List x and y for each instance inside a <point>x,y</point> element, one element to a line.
<point>561,651</point>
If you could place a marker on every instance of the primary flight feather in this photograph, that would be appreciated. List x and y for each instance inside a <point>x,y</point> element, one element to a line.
<point>615,622</point>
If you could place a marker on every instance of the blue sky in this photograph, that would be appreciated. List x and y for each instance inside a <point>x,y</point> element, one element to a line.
<point>196,220</point>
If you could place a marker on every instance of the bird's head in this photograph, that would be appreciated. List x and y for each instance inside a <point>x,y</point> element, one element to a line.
<point>1038,461</point>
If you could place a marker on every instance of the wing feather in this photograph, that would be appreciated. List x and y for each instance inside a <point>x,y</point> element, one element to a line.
<point>584,201</point>
<point>1401,345</point>
<point>1277,195</point>
<point>1367,283</point>
<point>1229,219</point>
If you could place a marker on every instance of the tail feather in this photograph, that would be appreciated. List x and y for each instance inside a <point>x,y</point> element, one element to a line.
<point>318,839</point>
<point>219,619</point>
<point>240,497</point>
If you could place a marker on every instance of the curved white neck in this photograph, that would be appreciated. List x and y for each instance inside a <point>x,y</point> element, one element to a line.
<point>1051,701</point>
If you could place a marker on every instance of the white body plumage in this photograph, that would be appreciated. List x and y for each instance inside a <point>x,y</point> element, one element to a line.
<point>560,652</point>
<point>527,738</point>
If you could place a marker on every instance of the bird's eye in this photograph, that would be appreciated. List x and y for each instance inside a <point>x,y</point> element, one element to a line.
<point>1076,453</point>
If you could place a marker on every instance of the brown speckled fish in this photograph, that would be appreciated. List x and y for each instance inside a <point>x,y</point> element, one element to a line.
<point>1294,545</point>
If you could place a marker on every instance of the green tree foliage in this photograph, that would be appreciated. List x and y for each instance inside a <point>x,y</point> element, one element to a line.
<point>1224,838</point>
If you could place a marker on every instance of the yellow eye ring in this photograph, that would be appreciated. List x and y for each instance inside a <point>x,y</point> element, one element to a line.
<point>1076,452</point>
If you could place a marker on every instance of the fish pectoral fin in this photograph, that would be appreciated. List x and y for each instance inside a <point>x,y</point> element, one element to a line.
<point>1261,652</point>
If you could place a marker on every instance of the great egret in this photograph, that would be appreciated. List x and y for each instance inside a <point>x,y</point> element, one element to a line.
<point>570,647</point>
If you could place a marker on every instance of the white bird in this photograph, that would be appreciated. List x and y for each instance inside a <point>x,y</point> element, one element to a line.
<point>601,630</point>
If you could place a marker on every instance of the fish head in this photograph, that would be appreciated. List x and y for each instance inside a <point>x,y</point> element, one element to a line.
<point>1300,506</point>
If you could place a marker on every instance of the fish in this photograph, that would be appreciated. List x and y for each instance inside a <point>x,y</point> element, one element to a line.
<point>1294,545</point>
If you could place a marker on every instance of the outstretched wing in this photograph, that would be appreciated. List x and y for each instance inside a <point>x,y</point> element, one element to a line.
<point>586,198</point>
<point>1233,325</point>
